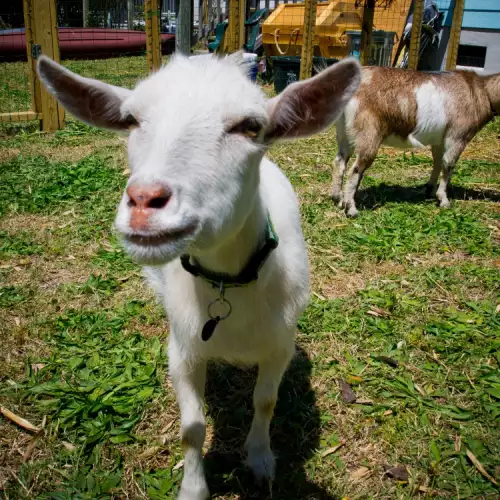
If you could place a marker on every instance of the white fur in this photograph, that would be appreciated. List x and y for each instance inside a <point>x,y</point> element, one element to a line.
<point>222,188</point>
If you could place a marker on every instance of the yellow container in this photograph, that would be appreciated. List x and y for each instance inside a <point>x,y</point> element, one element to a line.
<point>283,30</point>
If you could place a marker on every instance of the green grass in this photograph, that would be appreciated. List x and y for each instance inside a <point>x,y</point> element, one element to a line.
<point>404,308</point>
<point>14,78</point>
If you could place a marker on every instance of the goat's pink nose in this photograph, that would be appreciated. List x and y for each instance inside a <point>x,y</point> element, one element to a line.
<point>149,196</point>
<point>144,201</point>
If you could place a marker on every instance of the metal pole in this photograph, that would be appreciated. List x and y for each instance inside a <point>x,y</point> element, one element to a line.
<point>183,28</point>
<point>85,12</point>
<point>130,14</point>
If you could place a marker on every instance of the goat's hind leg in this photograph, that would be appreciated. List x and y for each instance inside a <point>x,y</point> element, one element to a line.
<point>258,444</point>
<point>437,159</point>
<point>188,380</point>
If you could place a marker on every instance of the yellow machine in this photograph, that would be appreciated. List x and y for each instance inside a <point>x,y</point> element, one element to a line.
<point>282,32</point>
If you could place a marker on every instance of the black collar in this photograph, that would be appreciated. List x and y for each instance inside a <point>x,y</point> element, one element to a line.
<point>249,273</point>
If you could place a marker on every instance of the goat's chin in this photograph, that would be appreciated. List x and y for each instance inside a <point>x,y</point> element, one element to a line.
<point>156,255</point>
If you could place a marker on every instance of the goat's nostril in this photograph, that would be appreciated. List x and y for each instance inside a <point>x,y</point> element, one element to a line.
<point>158,202</point>
<point>148,196</point>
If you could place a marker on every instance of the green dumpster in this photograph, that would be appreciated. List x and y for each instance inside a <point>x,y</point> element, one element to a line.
<point>287,69</point>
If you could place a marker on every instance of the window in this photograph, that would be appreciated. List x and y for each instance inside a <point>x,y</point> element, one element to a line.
<point>471,55</point>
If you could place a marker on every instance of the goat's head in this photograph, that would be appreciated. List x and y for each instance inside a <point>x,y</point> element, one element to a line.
<point>197,131</point>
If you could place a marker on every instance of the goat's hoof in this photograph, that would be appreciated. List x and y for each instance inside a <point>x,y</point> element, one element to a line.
<point>193,492</point>
<point>352,212</point>
<point>263,465</point>
<point>445,204</point>
<point>337,198</point>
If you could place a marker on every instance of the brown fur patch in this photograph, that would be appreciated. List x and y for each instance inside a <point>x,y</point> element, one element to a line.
<point>388,103</point>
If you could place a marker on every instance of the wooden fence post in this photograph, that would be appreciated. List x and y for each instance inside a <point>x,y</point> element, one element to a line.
<point>366,32</point>
<point>307,53</point>
<point>45,35</point>
<point>236,27</point>
<point>153,40</point>
<point>455,30</point>
<point>416,32</point>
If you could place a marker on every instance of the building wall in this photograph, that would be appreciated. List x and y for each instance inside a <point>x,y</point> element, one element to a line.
<point>485,38</point>
<point>484,14</point>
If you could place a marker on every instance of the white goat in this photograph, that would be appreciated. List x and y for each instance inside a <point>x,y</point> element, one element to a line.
<point>410,109</point>
<point>201,188</point>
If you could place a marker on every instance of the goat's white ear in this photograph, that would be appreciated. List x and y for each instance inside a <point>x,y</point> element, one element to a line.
<point>305,108</point>
<point>92,101</point>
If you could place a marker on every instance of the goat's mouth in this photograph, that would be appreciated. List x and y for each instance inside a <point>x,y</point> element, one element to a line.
<point>159,238</point>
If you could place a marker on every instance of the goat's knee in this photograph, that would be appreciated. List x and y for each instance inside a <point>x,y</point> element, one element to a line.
<point>193,435</point>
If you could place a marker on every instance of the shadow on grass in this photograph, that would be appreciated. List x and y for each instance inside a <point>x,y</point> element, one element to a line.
<point>295,432</point>
<point>376,196</point>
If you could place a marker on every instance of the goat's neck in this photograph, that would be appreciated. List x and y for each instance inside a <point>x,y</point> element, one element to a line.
<point>232,255</point>
<point>492,85</point>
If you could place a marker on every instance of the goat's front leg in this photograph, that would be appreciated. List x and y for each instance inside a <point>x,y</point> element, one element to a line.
<point>340,163</point>
<point>188,380</point>
<point>452,152</point>
<point>258,444</point>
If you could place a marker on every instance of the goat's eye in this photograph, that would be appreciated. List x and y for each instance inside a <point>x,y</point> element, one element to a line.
<point>249,127</point>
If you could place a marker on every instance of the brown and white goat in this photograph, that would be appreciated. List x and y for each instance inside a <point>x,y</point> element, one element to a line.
<point>410,109</point>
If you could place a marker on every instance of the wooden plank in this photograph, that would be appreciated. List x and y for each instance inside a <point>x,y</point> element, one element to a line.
<point>36,97</point>
<point>366,32</point>
<point>45,22</point>
<point>21,116</point>
<point>455,30</point>
<point>416,31</point>
<point>307,46</point>
<point>153,41</point>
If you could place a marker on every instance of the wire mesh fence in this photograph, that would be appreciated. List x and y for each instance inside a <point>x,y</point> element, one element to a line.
<point>15,95</point>
<point>106,39</point>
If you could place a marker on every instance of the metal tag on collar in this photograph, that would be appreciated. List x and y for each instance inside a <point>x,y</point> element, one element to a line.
<point>211,324</point>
